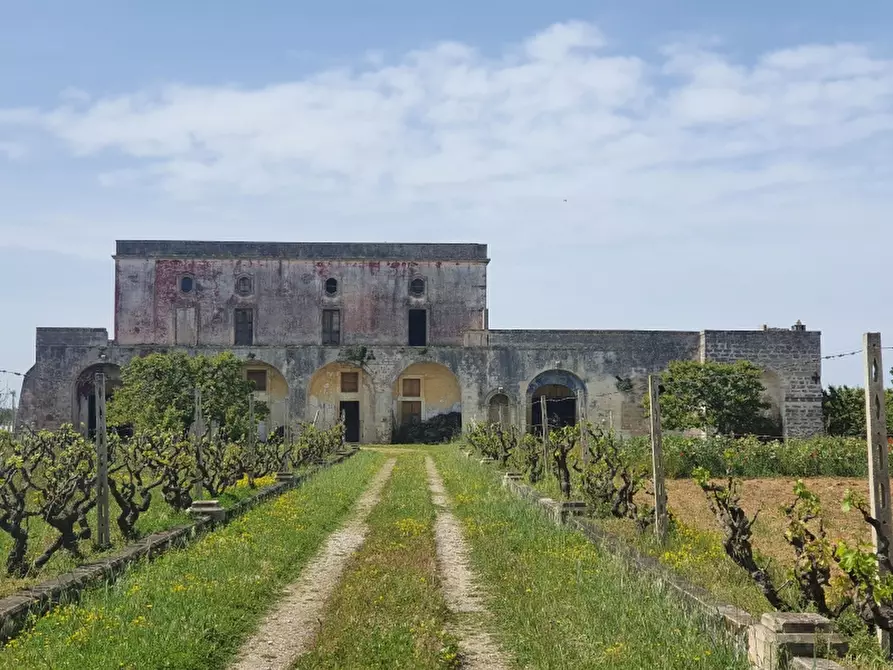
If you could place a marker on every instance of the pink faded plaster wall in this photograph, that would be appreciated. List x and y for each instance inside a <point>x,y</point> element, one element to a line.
<point>289,296</point>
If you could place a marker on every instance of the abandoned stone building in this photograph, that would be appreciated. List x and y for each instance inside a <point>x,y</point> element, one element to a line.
<point>385,334</point>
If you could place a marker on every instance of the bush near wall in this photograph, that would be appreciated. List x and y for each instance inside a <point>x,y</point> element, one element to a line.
<point>750,457</point>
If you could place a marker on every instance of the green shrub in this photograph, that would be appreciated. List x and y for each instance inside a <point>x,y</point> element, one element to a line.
<point>750,457</point>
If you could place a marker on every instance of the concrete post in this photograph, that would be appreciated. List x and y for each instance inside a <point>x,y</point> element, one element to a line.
<point>252,439</point>
<point>198,429</point>
<point>545,421</point>
<point>876,424</point>
<point>103,531</point>
<point>584,437</point>
<point>660,493</point>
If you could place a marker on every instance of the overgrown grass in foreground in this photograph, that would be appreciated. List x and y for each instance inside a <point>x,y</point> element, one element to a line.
<point>559,602</point>
<point>388,611</point>
<point>191,609</point>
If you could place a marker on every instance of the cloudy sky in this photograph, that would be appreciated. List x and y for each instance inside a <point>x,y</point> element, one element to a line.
<point>631,164</point>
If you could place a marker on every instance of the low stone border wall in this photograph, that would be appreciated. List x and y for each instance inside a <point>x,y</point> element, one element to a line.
<point>776,641</point>
<point>37,600</point>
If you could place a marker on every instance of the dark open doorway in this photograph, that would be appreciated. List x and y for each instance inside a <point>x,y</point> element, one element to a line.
<point>418,328</point>
<point>351,411</point>
<point>561,407</point>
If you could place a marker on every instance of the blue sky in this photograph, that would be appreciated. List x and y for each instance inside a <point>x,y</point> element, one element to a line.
<point>724,165</point>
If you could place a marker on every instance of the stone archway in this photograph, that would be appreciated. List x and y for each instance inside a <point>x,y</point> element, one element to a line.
<point>84,405</point>
<point>559,391</point>
<point>343,388</point>
<point>427,400</point>
<point>271,388</point>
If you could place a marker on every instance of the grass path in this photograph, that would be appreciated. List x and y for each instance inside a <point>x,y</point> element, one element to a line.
<point>190,609</point>
<point>479,650</point>
<point>389,611</point>
<point>289,627</point>
<point>559,603</point>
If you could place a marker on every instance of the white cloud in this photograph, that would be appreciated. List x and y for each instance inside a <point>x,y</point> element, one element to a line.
<point>637,145</point>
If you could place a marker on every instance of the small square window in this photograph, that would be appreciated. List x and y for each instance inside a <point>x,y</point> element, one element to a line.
<point>259,377</point>
<point>350,382</point>
<point>412,388</point>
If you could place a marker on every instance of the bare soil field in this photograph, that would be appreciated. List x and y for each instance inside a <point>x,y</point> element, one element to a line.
<point>689,504</point>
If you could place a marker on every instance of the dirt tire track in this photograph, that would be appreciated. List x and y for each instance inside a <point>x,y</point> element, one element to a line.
<point>289,629</point>
<point>463,596</point>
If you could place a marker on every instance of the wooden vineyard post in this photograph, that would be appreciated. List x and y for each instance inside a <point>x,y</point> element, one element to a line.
<point>657,461</point>
<point>878,468</point>
<point>252,440</point>
<point>197,431</point>
<point>103,530</point>
<point>584,437</point>
<point>545,422</point>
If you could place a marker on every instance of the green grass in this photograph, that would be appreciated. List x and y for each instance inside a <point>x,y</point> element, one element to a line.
<point>191,608</point>
<point>558,601</point>
<point>388,611</point>
<point>160,516</point>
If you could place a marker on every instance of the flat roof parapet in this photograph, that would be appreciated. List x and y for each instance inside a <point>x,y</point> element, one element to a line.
<point>366,251</point>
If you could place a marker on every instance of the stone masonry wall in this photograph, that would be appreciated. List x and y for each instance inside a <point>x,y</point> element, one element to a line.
<point>793,356</point>
<point>609,367</point>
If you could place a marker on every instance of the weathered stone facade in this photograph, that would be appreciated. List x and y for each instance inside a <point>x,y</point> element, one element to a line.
<point>385,333</point>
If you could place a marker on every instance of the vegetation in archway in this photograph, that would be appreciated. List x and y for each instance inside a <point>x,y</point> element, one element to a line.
<point>158,392</point>
<point>725,398</point>
<point>439,428</point>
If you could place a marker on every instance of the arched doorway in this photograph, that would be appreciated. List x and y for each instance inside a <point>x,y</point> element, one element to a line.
<point>499,410</point>
<point>427,404</point>
<point>271,389</point>
<point>84,406</point>
<point>343,388</point>
<point>558,391</point>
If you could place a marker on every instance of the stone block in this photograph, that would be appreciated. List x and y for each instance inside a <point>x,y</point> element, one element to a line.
<point>486,461</point>
<point>208,508</point>
<point>782,636</point>
<point>285,477</point>
<point>802,663</point>
<point>796,622</point>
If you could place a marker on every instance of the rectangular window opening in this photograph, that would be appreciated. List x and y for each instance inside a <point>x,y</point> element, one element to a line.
<point>418,328</point>
<point>331,326</point>
<point>412,388</point>
<point>411,412</point>
<point>259,377</point>
<point>350,382</point>
<point>244,319</point>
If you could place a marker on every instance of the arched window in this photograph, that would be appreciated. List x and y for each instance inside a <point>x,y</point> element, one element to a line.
<point>331,286</point>
<point>417,286</point>
<point>187,283</point>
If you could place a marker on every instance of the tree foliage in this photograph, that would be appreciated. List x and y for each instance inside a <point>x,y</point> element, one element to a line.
<point>725,397</point>
<point>157,393</point>
<point>843,409</point>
